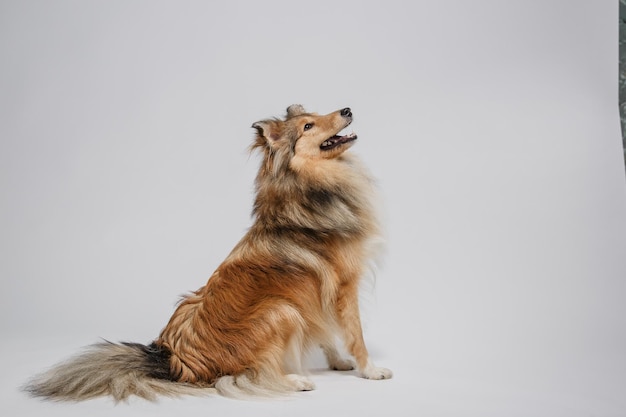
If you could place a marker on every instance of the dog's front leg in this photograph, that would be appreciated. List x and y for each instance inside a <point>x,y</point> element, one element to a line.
<point>350,322</point>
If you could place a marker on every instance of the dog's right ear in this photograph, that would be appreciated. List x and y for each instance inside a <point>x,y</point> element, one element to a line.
<point>295,110</point>
<point>270,130</point>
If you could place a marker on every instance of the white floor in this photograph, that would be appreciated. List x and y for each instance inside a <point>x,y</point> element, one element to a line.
<point>523,389</point>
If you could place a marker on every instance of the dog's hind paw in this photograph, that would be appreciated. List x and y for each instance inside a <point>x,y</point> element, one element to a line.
<point>301,383</point>
<point>342,365</point>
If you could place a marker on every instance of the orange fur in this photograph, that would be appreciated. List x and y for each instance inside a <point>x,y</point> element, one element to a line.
<point>291,283</point>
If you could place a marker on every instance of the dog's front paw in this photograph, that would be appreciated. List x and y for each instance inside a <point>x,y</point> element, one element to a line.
<point>377,373</point>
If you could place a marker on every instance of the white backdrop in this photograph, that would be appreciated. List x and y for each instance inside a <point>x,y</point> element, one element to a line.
<point>492,127</point>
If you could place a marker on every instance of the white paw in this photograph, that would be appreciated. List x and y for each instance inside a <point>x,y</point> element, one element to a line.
<point>377,373</point>
<point>301,383</point>
<point>342,365</point>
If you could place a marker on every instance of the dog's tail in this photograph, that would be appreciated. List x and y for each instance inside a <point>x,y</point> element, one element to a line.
<point>119,370</point>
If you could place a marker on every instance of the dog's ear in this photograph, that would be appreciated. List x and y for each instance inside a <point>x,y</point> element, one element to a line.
<point>268,129</point>
<point>295,110</point>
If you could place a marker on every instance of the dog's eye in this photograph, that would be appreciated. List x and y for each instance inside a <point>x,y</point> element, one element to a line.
<point>308,126</point>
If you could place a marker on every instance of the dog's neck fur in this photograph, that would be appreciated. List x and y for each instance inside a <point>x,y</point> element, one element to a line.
<point>337,205</point>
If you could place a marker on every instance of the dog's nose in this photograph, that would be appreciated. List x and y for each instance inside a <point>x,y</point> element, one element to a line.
<point>346,112</point>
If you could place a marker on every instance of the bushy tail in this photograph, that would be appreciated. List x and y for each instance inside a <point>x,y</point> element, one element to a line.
<point>119,370</point>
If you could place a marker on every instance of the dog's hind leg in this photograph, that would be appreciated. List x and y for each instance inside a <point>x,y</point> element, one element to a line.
<point>284,335</point>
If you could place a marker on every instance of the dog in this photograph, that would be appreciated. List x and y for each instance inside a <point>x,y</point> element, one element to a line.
<point>290,285</point>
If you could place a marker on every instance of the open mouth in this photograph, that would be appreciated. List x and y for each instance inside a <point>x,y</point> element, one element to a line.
<point>333,142</point>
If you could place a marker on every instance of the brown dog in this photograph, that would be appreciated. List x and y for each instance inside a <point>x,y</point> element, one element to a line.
<point>289,285</point>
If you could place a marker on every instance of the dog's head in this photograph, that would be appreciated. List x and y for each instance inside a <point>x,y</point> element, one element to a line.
<point>305,135</point>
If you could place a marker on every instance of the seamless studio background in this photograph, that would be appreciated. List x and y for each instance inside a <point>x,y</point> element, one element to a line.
<point>492,128</point>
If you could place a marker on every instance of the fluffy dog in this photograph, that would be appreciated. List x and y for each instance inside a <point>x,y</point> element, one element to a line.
<point>290,284</point>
